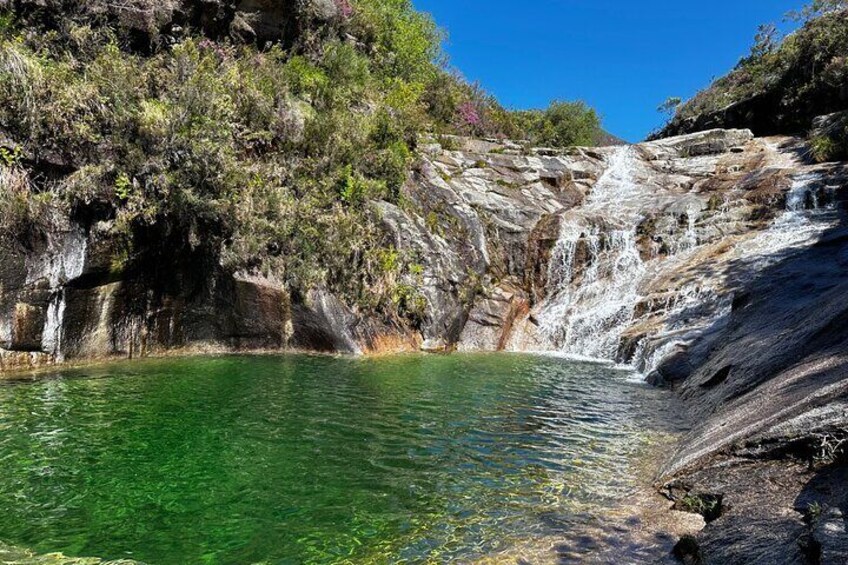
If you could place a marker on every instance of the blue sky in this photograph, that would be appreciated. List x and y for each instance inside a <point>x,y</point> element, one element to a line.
<point>624,57</point>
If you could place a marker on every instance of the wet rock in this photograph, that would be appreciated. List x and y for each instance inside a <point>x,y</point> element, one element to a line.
<point>688,551</point>
<point>543,238</point>
<point>261,314</point>
<point>27,327</point>
<point>492,319</point>
<point>323,323</point>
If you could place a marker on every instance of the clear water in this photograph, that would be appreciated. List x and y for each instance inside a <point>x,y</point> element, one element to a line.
<point>302,459</point>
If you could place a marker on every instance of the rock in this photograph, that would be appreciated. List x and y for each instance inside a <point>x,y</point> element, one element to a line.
<point>698,144</point>
<point>830,125</point>
<point>542,240</point>
<point>434,346</point>
<point>491,321</point>
<point>829,532</point>
<point>323,323</point>
<point>688,551</point>
<point>262,316</point>
<point>324,10</point>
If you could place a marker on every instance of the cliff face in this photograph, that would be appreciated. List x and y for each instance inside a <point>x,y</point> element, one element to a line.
<point>514,249</point>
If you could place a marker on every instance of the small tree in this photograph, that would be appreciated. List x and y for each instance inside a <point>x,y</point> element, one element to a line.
<point>816,9</point>
<point>670,106</point>
<point>566,124</point>
<point>766,41</point>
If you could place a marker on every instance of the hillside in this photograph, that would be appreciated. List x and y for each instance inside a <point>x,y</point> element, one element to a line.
<point>782,85</point>
<point>249,136</point>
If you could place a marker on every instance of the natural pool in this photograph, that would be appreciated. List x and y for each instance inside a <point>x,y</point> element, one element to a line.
<point>307,459</point>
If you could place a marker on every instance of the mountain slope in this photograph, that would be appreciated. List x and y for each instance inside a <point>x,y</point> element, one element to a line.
<point>780,88</point>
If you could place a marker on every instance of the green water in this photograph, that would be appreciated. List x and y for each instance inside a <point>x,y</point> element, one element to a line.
<point>300,459</point>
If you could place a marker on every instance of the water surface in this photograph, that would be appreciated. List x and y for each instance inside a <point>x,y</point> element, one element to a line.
<point>302,459</point>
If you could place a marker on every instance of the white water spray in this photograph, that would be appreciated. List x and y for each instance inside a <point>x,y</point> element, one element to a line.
<point>596,267</point>
<point>802,222</point>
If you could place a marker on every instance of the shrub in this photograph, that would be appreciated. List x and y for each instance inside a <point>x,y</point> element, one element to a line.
<point>23,210</point>
<point>405,42</point>
<point>824,149</point>
<point>562,124</point>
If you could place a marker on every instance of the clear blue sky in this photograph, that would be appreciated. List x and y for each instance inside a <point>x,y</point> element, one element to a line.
<point>624,57</point>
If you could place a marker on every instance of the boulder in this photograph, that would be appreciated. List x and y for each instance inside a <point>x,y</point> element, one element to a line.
<point>829,125</point>
<point>711,142</point>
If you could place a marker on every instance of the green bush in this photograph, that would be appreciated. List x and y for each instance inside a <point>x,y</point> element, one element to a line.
<point>405,42</point>
<point>562,124</point>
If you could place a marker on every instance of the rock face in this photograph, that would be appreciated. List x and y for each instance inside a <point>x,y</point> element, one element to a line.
<point>625,253</point>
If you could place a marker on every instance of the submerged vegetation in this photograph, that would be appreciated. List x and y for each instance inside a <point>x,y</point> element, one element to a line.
<point>265,154</point>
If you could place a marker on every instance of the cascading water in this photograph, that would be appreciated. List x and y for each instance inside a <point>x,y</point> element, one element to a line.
<point>803,220</point>
<point>51,340</point>
<point>689,238</point>
<point>596,267</point>
<point>596,273</point>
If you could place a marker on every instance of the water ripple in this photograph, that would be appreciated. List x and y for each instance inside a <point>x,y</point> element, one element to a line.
<point>304,459</point>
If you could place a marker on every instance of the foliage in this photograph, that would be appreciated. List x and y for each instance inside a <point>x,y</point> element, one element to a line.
<point>405,42</point>
<point>802,65</point>
<point>707,505</point>
<point>670,105</point>
<point>817,8</point>
<point>562,124</point>
<point>814,513</point>
<point>23,210</point>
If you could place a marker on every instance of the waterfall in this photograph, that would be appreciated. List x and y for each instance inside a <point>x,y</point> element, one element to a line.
<point>696,309</point>
<point>803,221</point>
<point>51,340</point>
<point>689,239</point>
<point>596,267</point>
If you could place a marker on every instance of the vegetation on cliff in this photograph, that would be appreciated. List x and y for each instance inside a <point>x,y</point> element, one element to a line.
<point>783,84</point>
<point>253,137</point>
